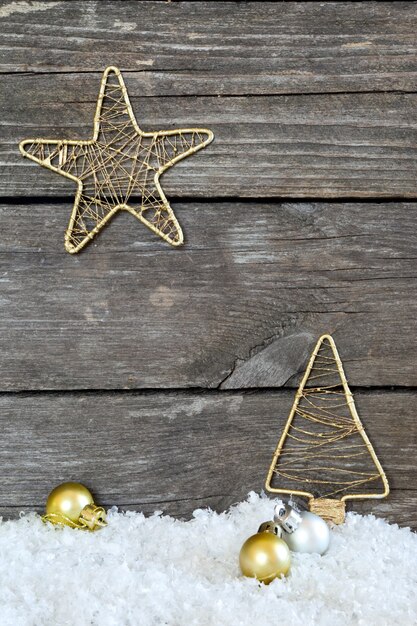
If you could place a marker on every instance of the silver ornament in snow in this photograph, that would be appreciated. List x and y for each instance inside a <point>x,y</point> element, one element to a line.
<point>302,531</point>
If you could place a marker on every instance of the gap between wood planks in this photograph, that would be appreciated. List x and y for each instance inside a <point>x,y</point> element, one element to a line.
<point>284,94</point>
<point>37,506</point>
<point>198,391</point>
<point>268,200</point>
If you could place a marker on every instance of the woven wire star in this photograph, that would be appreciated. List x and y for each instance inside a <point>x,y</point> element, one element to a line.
<point>120,161</point>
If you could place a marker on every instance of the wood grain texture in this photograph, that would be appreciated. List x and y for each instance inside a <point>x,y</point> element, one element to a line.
<point>331,145</point>
<point>177,451</point>
<point>321,146</point>
<point>219,47</point>
<point>240,305</point>
<point>306,100</point>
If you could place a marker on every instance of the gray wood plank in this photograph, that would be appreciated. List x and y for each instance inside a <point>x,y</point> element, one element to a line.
<point>243,303</point>
<point>177,451</point>
<point>321,146</point>
<point>219,47</point>
<point>240,305</point>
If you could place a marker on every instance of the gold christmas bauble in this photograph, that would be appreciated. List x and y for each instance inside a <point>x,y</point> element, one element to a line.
<point>265,556</point>
<point>68,500</point>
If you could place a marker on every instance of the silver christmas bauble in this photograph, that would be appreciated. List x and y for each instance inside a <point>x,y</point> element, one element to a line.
<point>302,531</point>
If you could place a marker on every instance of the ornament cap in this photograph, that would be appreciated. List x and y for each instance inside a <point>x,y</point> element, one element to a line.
<point>287,517</point>
<point>93,517</point>
<point>270,527</point>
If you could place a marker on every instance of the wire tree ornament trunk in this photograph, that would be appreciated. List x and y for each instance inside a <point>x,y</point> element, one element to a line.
<point>324,453</point>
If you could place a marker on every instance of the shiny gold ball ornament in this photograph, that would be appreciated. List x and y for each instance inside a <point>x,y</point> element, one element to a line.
<point>71,504</point>
<point>265,556</point>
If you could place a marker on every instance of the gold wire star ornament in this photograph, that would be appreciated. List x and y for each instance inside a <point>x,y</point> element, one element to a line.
<point>120,161</point>
<point>324,453</point>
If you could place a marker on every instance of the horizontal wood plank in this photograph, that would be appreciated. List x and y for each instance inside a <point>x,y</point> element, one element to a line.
<point>322,146</point>
<point>219,47</point>
<point>289,90</point>
<point>241,304</point>
<point>177,451</point>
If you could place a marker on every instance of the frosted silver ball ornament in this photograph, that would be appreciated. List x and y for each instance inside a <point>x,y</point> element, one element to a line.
<point>302,531</point>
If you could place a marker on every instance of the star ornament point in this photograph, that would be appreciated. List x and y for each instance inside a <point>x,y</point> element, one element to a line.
<point>119,168</point>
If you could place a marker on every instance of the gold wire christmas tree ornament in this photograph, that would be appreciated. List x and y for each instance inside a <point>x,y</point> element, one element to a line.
<point>324,453</point>
<point>120,162</point>
<point>71,504</point>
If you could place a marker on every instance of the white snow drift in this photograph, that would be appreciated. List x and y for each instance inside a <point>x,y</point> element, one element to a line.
<point>149,571</point>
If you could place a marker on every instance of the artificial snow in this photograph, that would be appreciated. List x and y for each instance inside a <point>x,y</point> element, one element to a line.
<point>151,571</point>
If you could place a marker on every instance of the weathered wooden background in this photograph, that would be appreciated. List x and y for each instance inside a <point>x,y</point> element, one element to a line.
<point>162,377</point>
